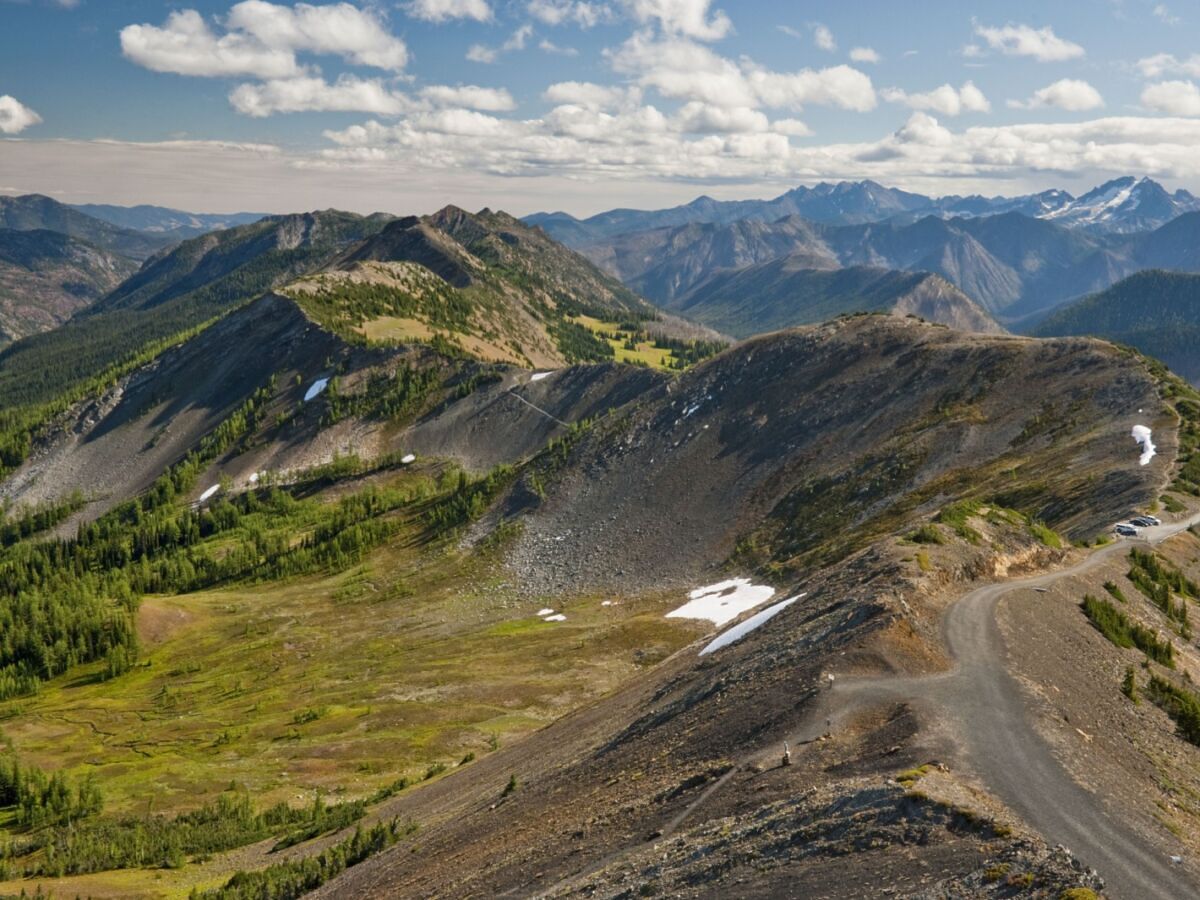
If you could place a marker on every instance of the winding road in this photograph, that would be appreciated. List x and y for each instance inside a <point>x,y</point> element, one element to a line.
<point>1005,750</point>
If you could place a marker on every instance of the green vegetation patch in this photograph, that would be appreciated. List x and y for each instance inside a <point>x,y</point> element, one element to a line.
<point>955,517</point>
<point>296,877</point>
<point>1116,626</point>
<point>1159,581</point>
<point>1181,705</point>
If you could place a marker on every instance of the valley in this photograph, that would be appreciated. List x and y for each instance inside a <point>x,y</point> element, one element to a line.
<point>361,565</point>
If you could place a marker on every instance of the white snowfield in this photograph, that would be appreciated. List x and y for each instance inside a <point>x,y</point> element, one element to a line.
<point>557,617</point>
<point>1141,434</point>
<point>315,388</point>
<point>538,376</point>
<point>740,630</point>
<point>209,492</point>
<point>542,613</point>
<point>408,459</point>
<point>723,602</point>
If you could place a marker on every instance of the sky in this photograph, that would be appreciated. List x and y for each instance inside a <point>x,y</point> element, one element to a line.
<point>585,105</point>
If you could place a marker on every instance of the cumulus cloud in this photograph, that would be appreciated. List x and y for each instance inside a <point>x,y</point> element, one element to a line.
<point>1177,98</point>
<point>684,70</point>
<point>594,135</point>
<point>864,55</point>
<point>591,95</point>
<point>702,118</point>
<point>1023,40</point>
<point>823,38</point>
<point>470,96</point>
<point>442,10</point>
<point>1068,93</point>
<point>15,116</point>
<point>569,12</point>
<point>309,94</point>
<point>689,18</point>
<point>946,100</point>
<point>1167,64</point>
<point>478,53</point>
<point>262,39</point>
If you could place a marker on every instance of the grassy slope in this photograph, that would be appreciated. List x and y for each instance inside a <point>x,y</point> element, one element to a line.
<point>416,657</point>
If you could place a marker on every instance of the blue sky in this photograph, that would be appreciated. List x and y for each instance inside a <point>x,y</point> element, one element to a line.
<point>563,104</point>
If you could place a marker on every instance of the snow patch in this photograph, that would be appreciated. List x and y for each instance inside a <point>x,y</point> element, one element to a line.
<point>557,617</point>
<point>317,386</point>
<point>408,458</point>
<point>209,492</point>
<point>723,602</point>
<point>538,376</point>
<point>606,603</point>
<point>253,479</point>
<point>739,631</point>
<point>545,612</point>
<point>1141,434</point>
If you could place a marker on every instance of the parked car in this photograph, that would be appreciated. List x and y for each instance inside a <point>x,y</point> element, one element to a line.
<point>1152,520</point>
<point>1126,530</point>
<point>1142,521</point>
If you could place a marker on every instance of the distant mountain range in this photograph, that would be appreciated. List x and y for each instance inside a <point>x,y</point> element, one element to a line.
<point>172,223</point>
<point>34,211</point>
<point>1014,266</point>
<point>1121,206</point>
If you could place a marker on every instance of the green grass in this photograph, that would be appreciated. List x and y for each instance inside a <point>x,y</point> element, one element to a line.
<point>956,516</point>
<point>344,684</point>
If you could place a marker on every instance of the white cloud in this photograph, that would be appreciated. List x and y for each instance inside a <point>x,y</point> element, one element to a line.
<point>478,53</point>
<point>684,70</point>
<point>639,143</point>
<point>15,116</point>
<point>793,127</point>
<point>1167,64</point>
<point>186,45</point>
<point>823,38</point>
<point>569,12</point>
<point>702,118</point>
<point>558,50</point>
<point>1023,40</point>
<point>470,97</point>
<point>945,100</point>
<point>1068,93</point>
<point>442,10</point>
<point>790,31</point>
<point>1176,98</point>
<point>518,38</point>
<point>307,94</point>
<point>594,96</point>
<point>689,18</point>
<point>1163,13</point>
<point>262,39</point>
<point>864,55</point>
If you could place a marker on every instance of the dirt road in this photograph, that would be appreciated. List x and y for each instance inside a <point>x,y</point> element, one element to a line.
<point>1006,751</point>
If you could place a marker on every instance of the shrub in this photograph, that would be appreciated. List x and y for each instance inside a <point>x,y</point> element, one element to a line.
<point>927,534</point>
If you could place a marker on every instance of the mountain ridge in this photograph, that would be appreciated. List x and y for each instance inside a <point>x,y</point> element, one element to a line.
<point>1123,205</point>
